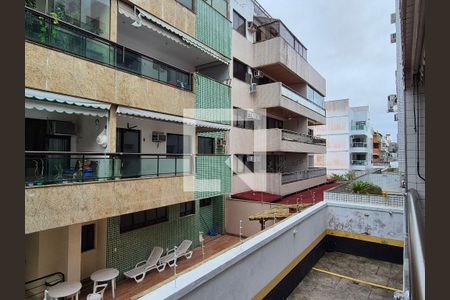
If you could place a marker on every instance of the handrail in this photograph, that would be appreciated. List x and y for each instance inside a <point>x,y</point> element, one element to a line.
<point>414,273</point>
<point>304,98</point>
<point>310,139</point>
<point>44,284</point>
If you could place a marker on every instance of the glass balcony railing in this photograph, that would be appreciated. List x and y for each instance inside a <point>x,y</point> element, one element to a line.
<point>288,93</point>
<point>359,144</point>
<point>47,167</point>
<point>359,162</point>
<point>293,136</point>
<point>359,127</point>
<point>288,177</point>
<point>54,33</point>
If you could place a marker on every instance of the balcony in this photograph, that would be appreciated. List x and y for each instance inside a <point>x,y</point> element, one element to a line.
<point>279,54</point>
<point>92,186</point>
<point>282,140</point>
<point>289,177</point>
<point>358,162</point>
<point>59,55</point>
<point>283,101</point>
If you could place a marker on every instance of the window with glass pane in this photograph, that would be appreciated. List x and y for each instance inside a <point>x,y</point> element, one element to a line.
<point>187,208</point>
<point>239,70</point>
<point>273,123</point>
<point>143,218</point>
<point>205,145</point>
<point>244,164</point>
<point>91,15</point>
<point>239,23</point>
<point>178,143</point>
<point>187,3</point>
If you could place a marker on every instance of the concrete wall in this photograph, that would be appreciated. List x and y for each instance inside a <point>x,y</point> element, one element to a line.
<point>170,11</point>
<point>54,206</point>
<point>301,185</point>
<point>57,72</point>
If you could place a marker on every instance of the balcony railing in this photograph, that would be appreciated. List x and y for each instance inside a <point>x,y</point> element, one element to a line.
<point>359,127</point>
<point>49,167</point>
<point>294,96</point>
<point>288,177</point>
<point>293,136</point>
<point>359,144</point>
<point>359,162</point>
<point>57,34</point>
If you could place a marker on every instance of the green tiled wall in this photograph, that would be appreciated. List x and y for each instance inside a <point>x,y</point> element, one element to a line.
<point>212,100</point>
<point>124,250</point>
<point>213,29</point>
<point>212,167</point>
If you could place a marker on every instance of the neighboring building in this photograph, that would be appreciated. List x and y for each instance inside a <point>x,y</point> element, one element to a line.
<point>376,152</point>
<point>410,75</point>
<point>127,113</point>
<point>349,138</point>
<point>277,96</point>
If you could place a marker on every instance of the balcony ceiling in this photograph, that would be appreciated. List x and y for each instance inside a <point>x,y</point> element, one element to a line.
<point>281,73</point>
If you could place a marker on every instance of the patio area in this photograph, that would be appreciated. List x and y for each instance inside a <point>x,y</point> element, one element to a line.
<point>127,288</point>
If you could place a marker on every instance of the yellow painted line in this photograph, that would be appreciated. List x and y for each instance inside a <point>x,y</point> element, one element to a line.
<point>367,238</point>
<point>277,279</point>
<point>357,280</point>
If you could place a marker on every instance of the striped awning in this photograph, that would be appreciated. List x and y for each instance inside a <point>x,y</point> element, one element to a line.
<point>135,112</point>
<point>168,31</point>
<point>53,102</point>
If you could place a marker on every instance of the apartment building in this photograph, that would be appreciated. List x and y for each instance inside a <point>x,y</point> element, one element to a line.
<point>277,96</point>
<point>376,147</point>
<point>128,113</point>
<point>349,138</point>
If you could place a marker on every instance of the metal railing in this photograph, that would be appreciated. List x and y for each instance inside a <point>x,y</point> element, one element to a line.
<point>414,260</point>
<point>359,144</point>
<point>294,96</point>
<point>51,167</point>
<point>35,288</point>
<point>57,34</point>
<point>359,127</point>
<point>288,177</point>
<point>293,136</point>
<point>359,162</point>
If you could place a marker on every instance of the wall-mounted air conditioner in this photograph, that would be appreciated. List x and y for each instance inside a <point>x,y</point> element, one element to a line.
<point>61,127</point>
<point>221,142</point>
<point>158,136</point>
<point>252,87</point>
<point>258,74</point>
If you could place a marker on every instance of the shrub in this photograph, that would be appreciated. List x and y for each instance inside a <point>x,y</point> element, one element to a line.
<point>351,175</point>
<point>338,177</point>
<point>362,187</point>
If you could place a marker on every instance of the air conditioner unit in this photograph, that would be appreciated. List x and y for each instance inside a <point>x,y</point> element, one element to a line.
<point>221,142</point>
<point>392,103</point>
<point>251,26</point>
<point>61,127</point>
<point>252,88</point>
<point>248,77</point>
<point>258,74</point>
<point>393,18</point>
<point>158,137</point>
<point>393,38</point>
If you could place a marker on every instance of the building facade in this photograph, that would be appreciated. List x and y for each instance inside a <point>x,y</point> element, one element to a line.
<point>276,97</point>
<point>127,112</point>
<point>349,138</point>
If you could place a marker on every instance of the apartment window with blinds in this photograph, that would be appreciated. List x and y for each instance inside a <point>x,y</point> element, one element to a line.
<point>239,23</point>
<point>187,208</point>
<point>144,218</point>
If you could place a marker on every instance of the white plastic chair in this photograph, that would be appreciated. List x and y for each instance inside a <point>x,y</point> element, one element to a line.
<point>173,254</point>
<point>99,290</point>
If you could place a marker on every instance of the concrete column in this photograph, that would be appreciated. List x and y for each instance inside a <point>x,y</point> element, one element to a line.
<point>112,125</point>
<point>73,252</point>
<point>113,24</point>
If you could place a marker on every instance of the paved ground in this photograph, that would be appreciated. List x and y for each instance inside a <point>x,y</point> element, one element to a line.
<point>321,286</point>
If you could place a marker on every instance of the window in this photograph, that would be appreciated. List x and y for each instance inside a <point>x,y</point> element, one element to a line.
<point>273,123</point>
<point>189,4</point>
<point>87,237</point>
<point>205,145</point>
<point>91,15</point>
<point>376,146</point>
<point>241,119</point>
<point>141,219</point>
<point>239,23</point>
<point>187,208</point>
<point>315,96</point>
<point>205,202</point>
<point>178,143</point>
<point>240,70</point>
<point>244,163</point>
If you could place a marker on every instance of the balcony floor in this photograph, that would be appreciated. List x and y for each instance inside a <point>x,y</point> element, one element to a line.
<point>321,286</point>
<point>127,288</point>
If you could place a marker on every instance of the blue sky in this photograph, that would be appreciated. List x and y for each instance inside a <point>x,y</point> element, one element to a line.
<point>348,42</point>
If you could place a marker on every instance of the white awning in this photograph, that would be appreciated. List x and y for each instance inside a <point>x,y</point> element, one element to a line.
<point>53,102</point>
<point>169,118</point>
<point>169,31</point>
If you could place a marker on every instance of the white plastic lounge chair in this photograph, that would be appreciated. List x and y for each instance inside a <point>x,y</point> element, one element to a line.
<point>173,254</point>
<point>98,292</point>
<point>142,267</point>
